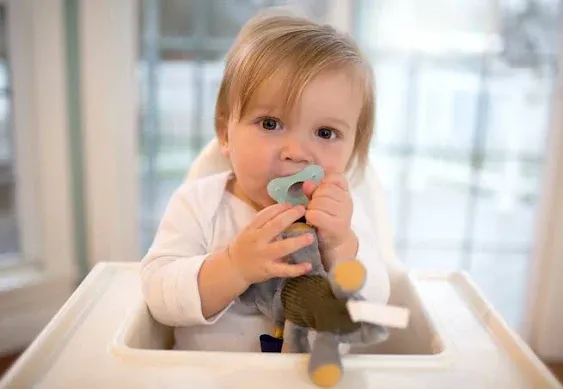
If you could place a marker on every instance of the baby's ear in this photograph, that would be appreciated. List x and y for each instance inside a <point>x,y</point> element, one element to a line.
<point>223,141</point>
<point>224,148</point>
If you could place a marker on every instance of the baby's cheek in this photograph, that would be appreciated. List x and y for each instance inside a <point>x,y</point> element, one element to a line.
<point>334,156</point>
<point>334,165</point>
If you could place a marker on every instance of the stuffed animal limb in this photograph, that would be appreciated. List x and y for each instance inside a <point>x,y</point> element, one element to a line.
<point>317,301</point>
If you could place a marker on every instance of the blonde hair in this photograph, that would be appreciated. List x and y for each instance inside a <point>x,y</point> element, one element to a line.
<point>272,42</point>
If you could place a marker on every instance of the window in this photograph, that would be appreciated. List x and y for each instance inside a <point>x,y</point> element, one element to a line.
<point>37,268</point>
<point>464,97</point>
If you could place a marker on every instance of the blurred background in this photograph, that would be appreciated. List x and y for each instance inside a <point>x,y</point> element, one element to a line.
<point>463,108</point>
<point>465,92</point>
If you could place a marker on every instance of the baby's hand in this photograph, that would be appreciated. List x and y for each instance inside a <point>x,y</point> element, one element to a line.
<point>330,211</point>
<point>256,253</point>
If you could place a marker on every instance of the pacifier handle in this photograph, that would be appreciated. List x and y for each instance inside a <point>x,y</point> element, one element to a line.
<point>282,190</point>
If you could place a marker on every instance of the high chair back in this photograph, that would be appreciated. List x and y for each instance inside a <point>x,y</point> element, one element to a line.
<point>369,191</point>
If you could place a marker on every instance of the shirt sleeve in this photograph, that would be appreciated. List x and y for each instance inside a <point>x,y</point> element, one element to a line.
<point>377,286</point>
<point>170,269</point>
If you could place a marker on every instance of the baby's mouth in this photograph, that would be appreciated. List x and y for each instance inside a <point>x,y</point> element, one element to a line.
<point>286,174</point>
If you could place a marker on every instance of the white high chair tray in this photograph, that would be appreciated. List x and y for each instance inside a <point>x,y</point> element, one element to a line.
<point>104,337</point>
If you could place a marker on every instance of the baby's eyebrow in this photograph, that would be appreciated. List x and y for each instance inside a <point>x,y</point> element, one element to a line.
<point>338,121</point>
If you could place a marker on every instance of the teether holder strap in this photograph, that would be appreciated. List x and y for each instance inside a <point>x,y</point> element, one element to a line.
<point>279,188</point>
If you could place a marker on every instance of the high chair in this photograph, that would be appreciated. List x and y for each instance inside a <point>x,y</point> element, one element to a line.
<point>104,335</point>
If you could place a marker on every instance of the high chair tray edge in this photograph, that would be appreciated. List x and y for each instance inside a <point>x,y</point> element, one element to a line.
<point>104,336</point>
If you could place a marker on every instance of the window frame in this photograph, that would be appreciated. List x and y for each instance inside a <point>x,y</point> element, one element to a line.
<point>543,311</point>
<point>37,282</point>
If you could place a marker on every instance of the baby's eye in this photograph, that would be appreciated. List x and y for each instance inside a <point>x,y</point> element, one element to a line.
<point>269,124</point>
<point>326,133</point>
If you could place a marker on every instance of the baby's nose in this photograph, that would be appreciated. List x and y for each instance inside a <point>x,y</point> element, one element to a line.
<point>296,150</point>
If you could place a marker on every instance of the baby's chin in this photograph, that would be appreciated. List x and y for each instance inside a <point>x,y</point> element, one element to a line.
<point>261,201</point>
<point>266,202</point>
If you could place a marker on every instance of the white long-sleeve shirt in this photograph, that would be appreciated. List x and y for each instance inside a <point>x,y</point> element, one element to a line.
<point>203,217</point>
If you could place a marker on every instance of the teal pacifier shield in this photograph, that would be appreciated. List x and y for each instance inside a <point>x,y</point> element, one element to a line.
<point>282,189</point>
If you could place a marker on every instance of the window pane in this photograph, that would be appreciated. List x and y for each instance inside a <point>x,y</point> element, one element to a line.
<point>393,83</point>
<point>443,259</point>
<point>390,171</point>
<point>489,270</point>
<point>505,209</point>
<point>9,236</point>
<point>437,202</point>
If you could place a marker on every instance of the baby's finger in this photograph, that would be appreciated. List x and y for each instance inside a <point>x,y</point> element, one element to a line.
<point>309,187</point>
<point>332,191</point>
<point>284,270</point>
<point>336,179</point>
<point>327,205</point>
<point>281,221</point>
<point>321,219</point>
<point>268,213</point>
<point>284,247</point>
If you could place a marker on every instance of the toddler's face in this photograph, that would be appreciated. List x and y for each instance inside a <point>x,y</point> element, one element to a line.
<point>321,129</point>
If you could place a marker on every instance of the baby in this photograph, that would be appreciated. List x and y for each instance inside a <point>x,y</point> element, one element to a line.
<point>293,93</point>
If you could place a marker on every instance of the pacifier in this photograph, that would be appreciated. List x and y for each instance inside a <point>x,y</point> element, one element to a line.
<point>289,189</point>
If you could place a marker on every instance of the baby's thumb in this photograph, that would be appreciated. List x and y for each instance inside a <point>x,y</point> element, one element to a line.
<point>309,187</point>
